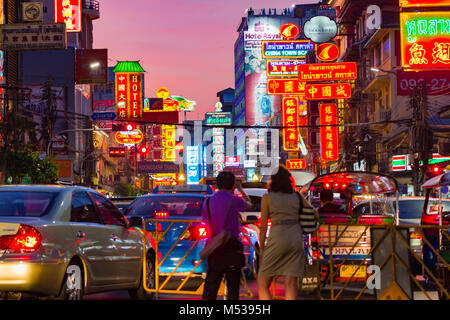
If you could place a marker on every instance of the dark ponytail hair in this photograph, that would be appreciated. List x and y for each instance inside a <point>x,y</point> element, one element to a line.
<point>281,181</point>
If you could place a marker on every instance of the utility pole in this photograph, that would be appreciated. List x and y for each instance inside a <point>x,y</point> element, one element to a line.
<point>413,143</point>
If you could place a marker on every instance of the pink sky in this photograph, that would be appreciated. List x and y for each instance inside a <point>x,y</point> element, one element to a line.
<point>184,45</point>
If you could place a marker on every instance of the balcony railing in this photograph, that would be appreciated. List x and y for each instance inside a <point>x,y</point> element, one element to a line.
<point>91,4</point>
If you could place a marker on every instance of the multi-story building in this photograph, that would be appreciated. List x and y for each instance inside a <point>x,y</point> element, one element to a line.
<point>55,70</point>
<point>369,34</point>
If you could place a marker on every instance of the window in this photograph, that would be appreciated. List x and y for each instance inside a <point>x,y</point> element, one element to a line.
<point>108,212</point>
<point>83,210</point>
<point>377,56</point>
<point>26,204</point>
<point>386,48</point>
<point>167,206</point>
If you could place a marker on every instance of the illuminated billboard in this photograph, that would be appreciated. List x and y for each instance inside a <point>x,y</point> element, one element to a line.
<point>327,52</point>
<point>286,49</point>
<point>425,40</point>
<point>69,12</point>
<point>128,95</point>
<point>295,164</point>
<point>327,71</point>
<point>323,91</point>
<point>424,3</point>
<point>285,86</point>
<point>284,68</point>
<point>290,114</point>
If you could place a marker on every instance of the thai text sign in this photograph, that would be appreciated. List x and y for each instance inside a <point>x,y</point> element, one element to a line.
<point>218,118</point>
<point>33,36</point>
<point>425,40</point>
<point>295,164</point>
<point>280,49</point>
<point>285,68</point>
<point>129,137</point>
<point>69,12</point>
<point>154,167</point>
<point>128,95</point>
<point>290,119</point>
<point>328,91</point>
<point>285,86</point>
<point>328,133</point>
<point>327,71</point>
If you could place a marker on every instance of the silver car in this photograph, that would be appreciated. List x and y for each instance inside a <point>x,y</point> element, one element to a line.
<point>65,242</point>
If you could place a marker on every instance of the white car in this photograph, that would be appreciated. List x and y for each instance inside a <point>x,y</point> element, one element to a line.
<point>255,195</point>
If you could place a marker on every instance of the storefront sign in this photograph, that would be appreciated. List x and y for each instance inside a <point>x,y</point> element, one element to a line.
<point>192,165</point>
<point>436,82</point>
<point>33,36</point>
<point>32,11</point>
<point>232,161</point>
<point>320,29</point>
<point>284,68</point>
<point>91,66</point>
<point>289,31</point>
<point>329,135</point>
<point>218,118</point>
<point>285,86</point>
<point>327,71</point>
<point>425,40</point>
<point>162,92</point>
<point>129,95</point>
<point>328,91</point>
<point>286,49</point>
<point>290,119</point>
<point>154,167</point>
<point>327,52</point>
<point>129,137</point>
<point>69,12</point>
<point>424,3</point>
<point>295,164</point>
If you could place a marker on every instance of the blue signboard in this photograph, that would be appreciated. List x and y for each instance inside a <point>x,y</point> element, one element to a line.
<point>192,168</point>
<point>102,116</point>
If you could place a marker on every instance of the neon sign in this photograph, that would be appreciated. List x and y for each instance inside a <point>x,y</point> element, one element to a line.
<point>285,86</point>
<point>425,40</point>
<point>327,71</point>
<point>128,95</point>
<point>328,91</point>
<point>290,116</point>
<point>280,49</point>
<point>289,31</point>
<point>424,3</point>
<point>129,137</point>
<point>327,52</point>
<point>329,134</point>
<point>69,12</point>
<point>284,68</point>
<point>295,164</point>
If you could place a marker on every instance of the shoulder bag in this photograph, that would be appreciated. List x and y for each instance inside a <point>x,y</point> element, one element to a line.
<point>218,240</point>
<point>306,217</point>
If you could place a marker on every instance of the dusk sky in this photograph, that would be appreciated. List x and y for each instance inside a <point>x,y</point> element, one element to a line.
<point>183,45</point>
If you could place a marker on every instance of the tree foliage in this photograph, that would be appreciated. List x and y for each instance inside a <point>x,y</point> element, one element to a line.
<point>126,190</point>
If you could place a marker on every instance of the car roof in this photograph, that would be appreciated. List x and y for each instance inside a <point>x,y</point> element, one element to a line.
<point>178,195</point>
<point>42,188</point>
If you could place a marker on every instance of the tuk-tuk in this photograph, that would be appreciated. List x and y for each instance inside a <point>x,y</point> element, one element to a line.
<point>363,199</point>
<point>439,235</point>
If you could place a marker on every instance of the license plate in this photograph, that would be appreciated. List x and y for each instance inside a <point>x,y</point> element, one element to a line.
<point>346,271</point>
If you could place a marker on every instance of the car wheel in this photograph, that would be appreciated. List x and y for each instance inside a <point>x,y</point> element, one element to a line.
<point>254,263</point>
<point>73,285</point>
<point>140,293</point>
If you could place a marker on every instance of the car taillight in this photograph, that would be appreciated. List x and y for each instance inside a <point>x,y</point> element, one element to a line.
<point>161,214</point>
<point>415,235</point>
<point>26,240</point>
<point>195,233</point>
<point>258,223</point>
<point>375,220</point>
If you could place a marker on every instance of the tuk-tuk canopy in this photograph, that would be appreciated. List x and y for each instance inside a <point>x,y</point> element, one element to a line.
<point>357,182</point>
<point>438,181</point>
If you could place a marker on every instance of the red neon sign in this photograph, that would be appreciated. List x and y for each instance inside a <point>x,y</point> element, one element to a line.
<point>290,119</point>
<point>135,95</point>
<point>285,68</point>
<point>69,12</point>
<point>328,91</point>
<point>295,164</point>
<point>128,95</point>
<point>424,3</point>
<point>327,52</point>
<point>285,86</point>
<point>329,135</point>
<point>289,31</point>
<point>121,83</point>
<point>129,137</point>
<point>327,71</point>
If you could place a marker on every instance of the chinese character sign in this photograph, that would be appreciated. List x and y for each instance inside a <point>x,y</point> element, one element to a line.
<point>290,119</point>
<point>285,86</point>
<point>69,12</point>
<point>425,40</point>
<point>329,136</point>
<point>327,71</point>
<point>128,95</point>
<point>284,68</point>
<point>295,164</point>
<point>328,91</point>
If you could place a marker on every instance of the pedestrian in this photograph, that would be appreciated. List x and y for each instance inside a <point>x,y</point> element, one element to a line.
<point>283,255</point>
<point>221,211</point>
<point>327,205</point>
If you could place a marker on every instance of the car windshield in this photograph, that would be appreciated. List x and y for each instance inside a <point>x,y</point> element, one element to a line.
<point>166,206</point>
<point>25,203</point>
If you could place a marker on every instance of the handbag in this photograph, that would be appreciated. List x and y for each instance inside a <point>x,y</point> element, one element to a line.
<point>218,240</point>
<point>306,217</point>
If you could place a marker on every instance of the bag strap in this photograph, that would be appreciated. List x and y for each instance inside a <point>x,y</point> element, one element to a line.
<point>226,217</point>
<point>301,203</point>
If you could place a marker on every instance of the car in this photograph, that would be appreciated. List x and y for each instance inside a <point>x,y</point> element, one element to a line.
<point>176,242</point>
<point>122,202</point>
<point>67,241</point>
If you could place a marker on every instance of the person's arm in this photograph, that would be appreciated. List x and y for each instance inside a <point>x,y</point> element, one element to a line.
<point>265,209</point>
<point>244,195</point>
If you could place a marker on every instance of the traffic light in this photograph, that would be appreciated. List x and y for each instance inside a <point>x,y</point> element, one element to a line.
<point>123,127</point>
<point>117,152</point>
<point>436,170</point>
<point>143,150</point>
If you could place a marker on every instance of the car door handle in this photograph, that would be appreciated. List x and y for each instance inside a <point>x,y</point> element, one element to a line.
<point>114,237</point>
<point>81,235</point>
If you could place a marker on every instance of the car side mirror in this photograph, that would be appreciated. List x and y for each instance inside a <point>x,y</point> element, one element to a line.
<point>135,222</point>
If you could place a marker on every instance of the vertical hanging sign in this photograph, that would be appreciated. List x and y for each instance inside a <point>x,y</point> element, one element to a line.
<point>69,12</point>
<point>328,132</point>
<point>135,95</point>
<point>121,83</point>
<point>290,119</point>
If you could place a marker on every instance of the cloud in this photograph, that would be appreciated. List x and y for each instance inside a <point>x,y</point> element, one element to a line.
<point>320,29</point>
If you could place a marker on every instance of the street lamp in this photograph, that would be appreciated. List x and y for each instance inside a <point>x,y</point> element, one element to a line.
<point>382,70</point>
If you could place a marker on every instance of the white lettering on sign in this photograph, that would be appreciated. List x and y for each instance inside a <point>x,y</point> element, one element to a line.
<point>373,15</point>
